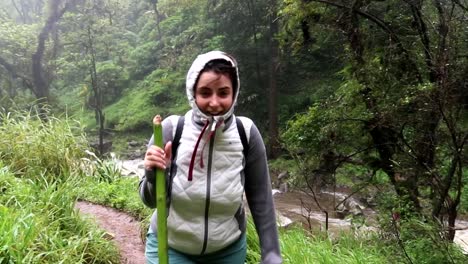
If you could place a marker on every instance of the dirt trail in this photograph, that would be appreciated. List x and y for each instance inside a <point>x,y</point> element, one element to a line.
<point>123,228</point>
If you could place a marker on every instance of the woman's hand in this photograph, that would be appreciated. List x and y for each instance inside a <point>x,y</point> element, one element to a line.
<point>157,158</point>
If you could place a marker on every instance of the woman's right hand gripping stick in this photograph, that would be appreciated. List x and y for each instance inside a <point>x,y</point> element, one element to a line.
<point>157,158</point>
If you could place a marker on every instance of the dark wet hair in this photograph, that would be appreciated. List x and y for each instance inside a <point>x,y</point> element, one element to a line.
<point>220,66</point>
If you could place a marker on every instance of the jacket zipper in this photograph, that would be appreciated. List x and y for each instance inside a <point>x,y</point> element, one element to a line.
<point>208,192</point>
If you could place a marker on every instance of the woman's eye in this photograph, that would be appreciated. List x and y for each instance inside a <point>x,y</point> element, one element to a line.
<point>224,93</point>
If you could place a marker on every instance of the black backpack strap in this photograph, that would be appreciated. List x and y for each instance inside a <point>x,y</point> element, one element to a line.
<point>243,137</point>
<point>178,134</point>
<point>175,145</point>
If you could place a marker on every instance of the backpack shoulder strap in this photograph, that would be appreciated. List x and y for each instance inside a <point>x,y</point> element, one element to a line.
<point>243,137</point>
<point>175,144</point>
<point>178,134</point>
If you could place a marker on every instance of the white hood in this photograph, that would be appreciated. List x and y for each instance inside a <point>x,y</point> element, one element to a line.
<point>192,76</point>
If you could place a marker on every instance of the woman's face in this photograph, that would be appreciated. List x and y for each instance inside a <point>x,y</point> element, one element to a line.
<point>214,93</point>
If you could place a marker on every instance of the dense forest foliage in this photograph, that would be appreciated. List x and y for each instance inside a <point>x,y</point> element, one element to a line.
<point>370,88</point>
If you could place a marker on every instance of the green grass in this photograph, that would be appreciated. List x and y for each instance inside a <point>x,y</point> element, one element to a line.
<point>120,194</point>
<point>298,247</point>
<point>31,147</point>
<point>40,166</point>
<point>40,225</point>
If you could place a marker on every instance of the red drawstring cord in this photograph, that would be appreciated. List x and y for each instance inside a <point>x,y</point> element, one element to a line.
<point>192,160</point>
<point>209,138</point>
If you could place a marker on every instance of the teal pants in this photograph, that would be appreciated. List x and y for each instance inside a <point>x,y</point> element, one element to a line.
<point>233,254</point>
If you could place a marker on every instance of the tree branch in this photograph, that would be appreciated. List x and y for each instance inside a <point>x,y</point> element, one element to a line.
<point>14,73</point>
<point>4,15</point>
<point>379,22</point>
<point>422,30</point>
<point>19,12</point>
<point>457,2</point>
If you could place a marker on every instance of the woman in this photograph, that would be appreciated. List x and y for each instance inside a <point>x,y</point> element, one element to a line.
<point>211,169</point>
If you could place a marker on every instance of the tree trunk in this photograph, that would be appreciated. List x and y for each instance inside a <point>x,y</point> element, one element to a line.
<point>273,66</point>
<point>40,82</point>
<point>253,15</point>
<point>157,18</point>
<point>98,105</point>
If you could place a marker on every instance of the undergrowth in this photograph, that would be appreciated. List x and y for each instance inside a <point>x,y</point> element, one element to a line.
<point>40,165</point>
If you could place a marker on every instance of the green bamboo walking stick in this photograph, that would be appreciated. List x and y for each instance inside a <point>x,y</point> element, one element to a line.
<point>161,197</point>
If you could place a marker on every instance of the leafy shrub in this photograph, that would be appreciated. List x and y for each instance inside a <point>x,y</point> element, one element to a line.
<point>103,170</point>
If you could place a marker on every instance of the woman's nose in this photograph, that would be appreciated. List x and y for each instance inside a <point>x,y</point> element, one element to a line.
<point>214,101</point>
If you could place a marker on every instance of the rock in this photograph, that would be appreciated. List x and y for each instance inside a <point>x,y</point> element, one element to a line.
<point>109,236</point>
<point>283,187</point>
<point>275,191</point>
<point>281,182</point>
<point>461,235</point>
<point>137,154</point>
<point>349,207</point>
<point>133,167</point>
<point>282,220</point>
<point>283,175</point>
